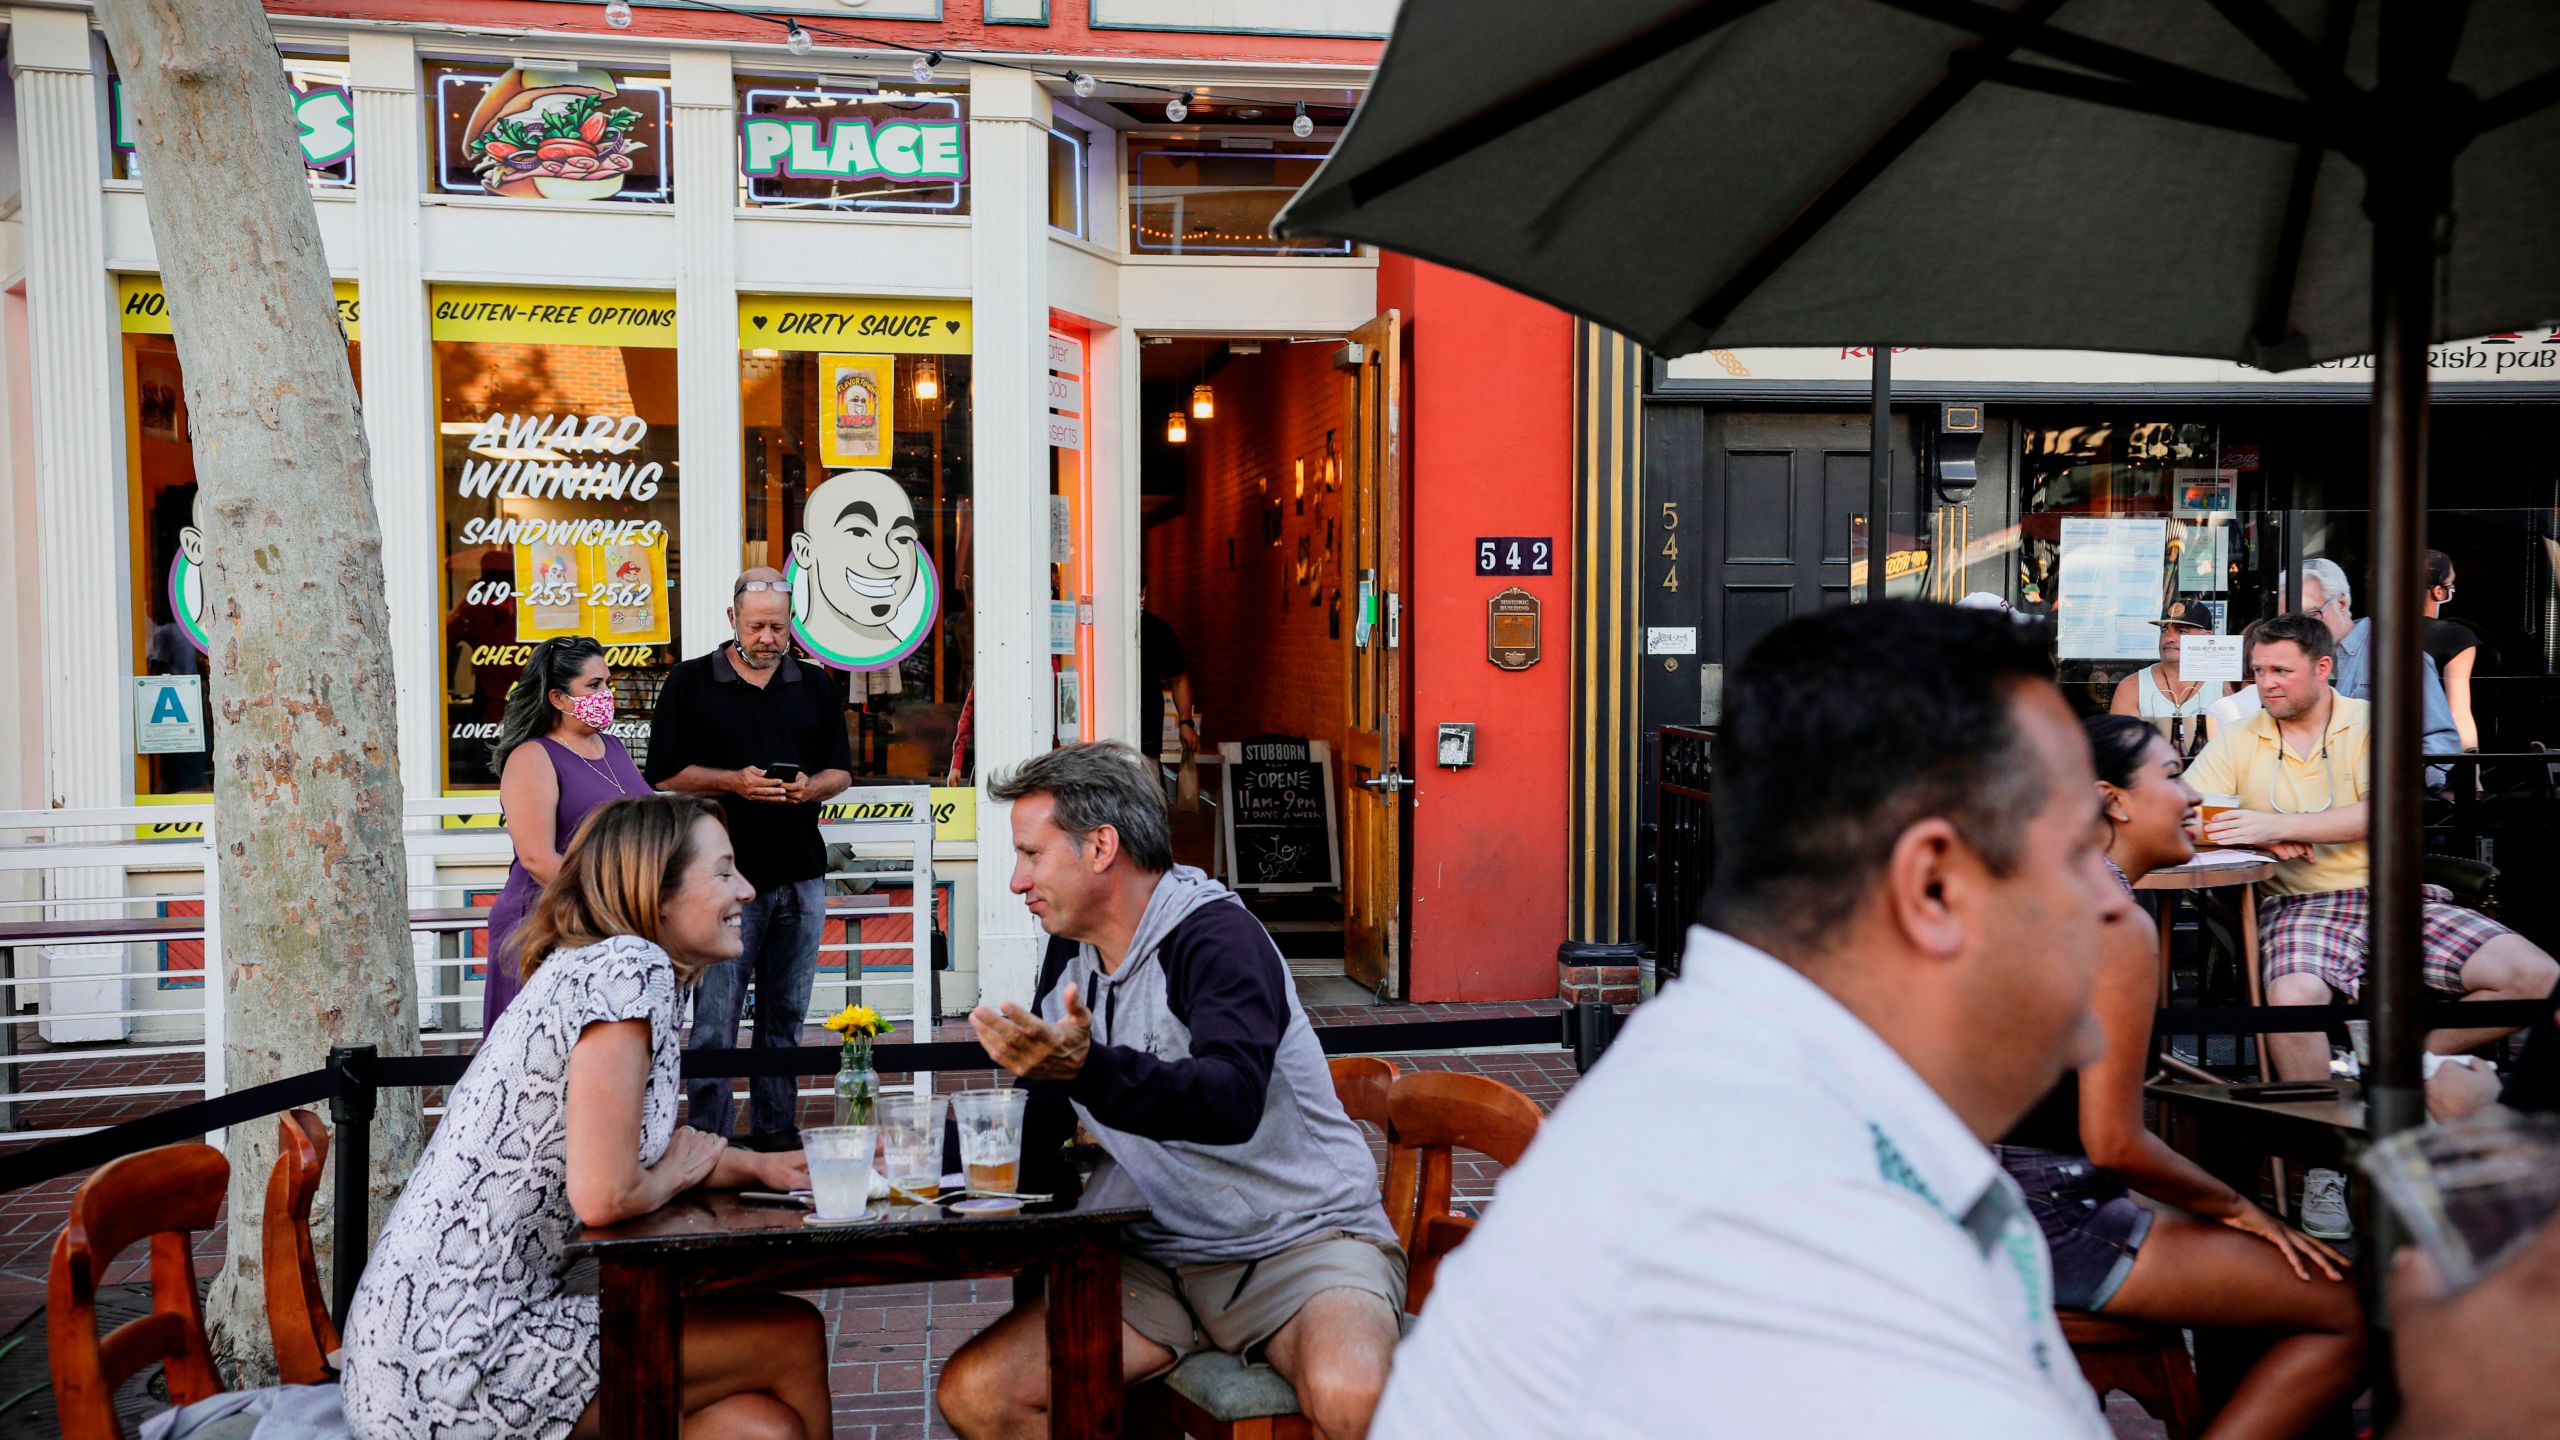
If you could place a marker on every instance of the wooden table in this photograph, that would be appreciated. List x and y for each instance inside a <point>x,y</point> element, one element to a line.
<point>712,1242</point>
<point>2216,875</point>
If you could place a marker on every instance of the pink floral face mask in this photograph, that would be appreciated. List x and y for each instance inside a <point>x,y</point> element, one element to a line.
<point>594,708</point>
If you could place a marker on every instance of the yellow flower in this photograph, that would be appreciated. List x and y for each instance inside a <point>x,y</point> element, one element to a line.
<point>857,1020</point>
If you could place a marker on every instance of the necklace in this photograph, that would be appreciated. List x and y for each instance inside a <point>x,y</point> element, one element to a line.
<point>602,773</point>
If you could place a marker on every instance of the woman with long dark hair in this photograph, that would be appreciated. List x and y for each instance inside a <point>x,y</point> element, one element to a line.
<point>2216,1259</point>
<point>465,1323</point>
<point>557,761</point>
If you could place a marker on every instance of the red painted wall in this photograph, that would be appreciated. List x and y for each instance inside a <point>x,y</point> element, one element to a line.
<point>1489,451</point>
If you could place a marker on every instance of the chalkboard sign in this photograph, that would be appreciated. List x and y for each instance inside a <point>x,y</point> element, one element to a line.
<point>1276,805</point>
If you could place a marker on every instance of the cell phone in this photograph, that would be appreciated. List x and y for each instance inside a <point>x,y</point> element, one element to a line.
<point>2287,1090</point>
<point>784,771</point>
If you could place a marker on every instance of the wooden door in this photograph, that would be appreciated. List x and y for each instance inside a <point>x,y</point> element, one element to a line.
<point>1373,580</point>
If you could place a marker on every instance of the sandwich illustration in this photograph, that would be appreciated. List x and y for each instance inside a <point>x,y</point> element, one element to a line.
<point>556,134</point>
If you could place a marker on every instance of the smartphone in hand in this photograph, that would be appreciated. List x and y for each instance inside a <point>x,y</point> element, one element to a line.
<point>784,771</point>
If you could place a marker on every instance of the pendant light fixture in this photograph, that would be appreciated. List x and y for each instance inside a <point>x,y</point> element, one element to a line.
<point>1177,431</point>
<point>928,380</point>
<point>1204,402</point>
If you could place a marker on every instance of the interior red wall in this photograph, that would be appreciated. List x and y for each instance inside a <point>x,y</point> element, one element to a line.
<point>1489,451</point>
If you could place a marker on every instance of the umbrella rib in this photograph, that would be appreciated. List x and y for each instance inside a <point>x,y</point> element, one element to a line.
<point>1632,51</point>
<point>2275,304</point>
<point>2519,102</point>
<point>2319,72</point>
<point>2081,50</point>
<point>2272,118</point>
<point>1853,179</point>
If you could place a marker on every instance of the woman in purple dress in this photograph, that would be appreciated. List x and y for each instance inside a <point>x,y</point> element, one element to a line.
<point>556,760</point>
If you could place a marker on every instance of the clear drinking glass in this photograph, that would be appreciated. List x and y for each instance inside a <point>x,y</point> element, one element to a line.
<point>2360,1040</point>
<point>840,1168</point>
<point>2474,1191</point>
<point>990,1124</point>
<point>911,1146</point>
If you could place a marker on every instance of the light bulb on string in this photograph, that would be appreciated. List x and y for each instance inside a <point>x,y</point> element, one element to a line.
<point>1083,84</point>
<point>1178,109</point>
<point>617,13</point>
<point>796,40</point>
<point>922,69</point>
<point>1176,430</point>
<point>1302,127</point>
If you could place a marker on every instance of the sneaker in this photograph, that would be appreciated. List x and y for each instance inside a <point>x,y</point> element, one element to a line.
<point>2324,1205</point>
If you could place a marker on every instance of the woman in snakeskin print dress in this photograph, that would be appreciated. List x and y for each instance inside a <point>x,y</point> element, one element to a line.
<point>462,1326</point>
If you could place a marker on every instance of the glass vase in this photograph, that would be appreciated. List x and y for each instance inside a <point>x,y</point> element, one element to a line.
<point>857,1084</point>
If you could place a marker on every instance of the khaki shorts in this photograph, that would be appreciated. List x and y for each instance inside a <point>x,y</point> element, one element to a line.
<point>1238,1305</point>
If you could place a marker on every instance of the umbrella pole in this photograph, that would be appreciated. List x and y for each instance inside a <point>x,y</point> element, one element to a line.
<point>1880,472</point>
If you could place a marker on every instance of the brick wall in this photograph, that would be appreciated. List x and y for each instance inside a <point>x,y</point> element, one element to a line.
<point>1263,658</point>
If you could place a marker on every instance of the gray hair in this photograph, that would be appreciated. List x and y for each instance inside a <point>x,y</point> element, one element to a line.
<point>1094,785</point>
<point>2333,581</point>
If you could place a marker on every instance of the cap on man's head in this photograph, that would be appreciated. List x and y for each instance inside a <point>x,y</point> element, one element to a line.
<point>2182,616</point>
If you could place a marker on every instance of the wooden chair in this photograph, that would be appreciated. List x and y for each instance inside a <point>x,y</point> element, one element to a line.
<point>297,1308</point>
<point>1436,1113</point>
<point>1211,1396</point>
<point>161,1196</point>
<point>2148,1362</point>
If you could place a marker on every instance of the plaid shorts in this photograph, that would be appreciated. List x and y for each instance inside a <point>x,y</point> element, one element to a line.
<point>2324,935</point>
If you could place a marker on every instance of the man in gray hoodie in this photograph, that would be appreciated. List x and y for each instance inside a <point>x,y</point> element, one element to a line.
<point>1166,1018</point>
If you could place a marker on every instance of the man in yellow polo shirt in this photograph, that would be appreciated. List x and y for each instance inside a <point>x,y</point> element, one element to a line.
<point>2302,768</point>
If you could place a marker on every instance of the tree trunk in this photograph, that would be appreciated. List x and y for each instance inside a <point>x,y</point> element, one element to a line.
<point>307,801</point>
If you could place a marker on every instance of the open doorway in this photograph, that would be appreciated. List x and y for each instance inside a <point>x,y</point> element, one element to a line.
<point>1253,626</point>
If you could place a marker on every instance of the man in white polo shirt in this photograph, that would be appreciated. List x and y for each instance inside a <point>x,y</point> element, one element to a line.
<point>1772,1210</point>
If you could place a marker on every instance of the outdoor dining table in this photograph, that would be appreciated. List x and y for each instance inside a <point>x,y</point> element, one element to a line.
<point>714,1242</point>
<point>2218,870</point>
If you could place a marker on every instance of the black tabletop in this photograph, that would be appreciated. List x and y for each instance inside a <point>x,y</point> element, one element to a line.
<point>716,1220</point>
<point>2343,1113</point>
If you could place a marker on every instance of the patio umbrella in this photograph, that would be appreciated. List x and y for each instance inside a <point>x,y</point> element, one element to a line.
<point>2269,181</point>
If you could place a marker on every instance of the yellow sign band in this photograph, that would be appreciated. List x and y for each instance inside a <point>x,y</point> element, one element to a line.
<point>142,307</point>
<point>836,323</point>
<point>549,316</point>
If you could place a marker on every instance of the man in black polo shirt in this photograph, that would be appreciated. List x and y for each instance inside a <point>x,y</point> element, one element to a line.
<point>732,725</point>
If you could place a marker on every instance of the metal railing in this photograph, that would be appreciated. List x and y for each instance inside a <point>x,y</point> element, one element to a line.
<point>71,996</point>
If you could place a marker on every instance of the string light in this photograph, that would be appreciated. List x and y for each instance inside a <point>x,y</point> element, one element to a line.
<point>1176,430</point>
<point>1302,127</point>
<point>617,14</point>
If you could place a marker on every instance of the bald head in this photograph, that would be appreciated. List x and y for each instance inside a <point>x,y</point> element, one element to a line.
<point>760,616</point>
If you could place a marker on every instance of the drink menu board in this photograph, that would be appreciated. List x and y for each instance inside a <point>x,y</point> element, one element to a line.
<point>1276,805</point>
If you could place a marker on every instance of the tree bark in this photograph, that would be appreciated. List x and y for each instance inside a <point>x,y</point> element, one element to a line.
<point>307,801</point>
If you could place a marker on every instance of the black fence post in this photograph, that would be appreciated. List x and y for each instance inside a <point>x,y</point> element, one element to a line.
<point>351,1116</point>
<point>1588,1028</point>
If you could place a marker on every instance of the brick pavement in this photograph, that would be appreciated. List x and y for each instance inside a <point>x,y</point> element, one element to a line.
<point>886,1344</point>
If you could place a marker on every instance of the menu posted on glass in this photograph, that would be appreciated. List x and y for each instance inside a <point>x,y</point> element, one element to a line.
<point>2110,591</point>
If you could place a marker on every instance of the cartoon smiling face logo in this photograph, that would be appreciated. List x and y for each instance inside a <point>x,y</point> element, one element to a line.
<point>863,593</point>
<point>186,585</point>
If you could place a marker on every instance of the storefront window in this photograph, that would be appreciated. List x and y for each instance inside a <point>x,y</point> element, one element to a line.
<point>324,115</point>
<point>1066,182</point>
<point>547,130</point>
<point>168,554</point>
<point>894,150</point>
<point>1194,195</point>
<point>858,484</point>
<point>556,497</point>
<point>1071,628</point>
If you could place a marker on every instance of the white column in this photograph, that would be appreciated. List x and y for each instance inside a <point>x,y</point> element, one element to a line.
<point>711,510</point>
<point>80,483</point>
<point>1113,430</point>
<point>1015,716</point>
<point>399,430</point>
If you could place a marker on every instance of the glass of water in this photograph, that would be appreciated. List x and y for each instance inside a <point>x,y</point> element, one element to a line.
<point>2472,1192</point>
<point>990,1123</point>
<point>840,1168</point>
<point>911,1146</point>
